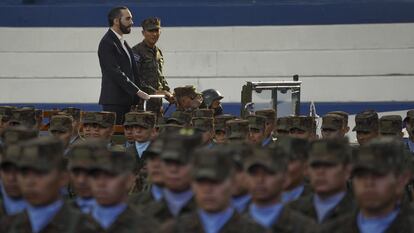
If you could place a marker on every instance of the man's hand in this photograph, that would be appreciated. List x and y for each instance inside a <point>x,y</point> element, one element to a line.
<point>143,95</point>
<point>168,96</point>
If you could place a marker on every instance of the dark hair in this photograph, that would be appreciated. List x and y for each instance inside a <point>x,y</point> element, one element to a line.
<point>115,13</point>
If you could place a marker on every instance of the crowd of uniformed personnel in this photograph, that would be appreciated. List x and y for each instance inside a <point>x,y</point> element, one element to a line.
<point>204,171</point>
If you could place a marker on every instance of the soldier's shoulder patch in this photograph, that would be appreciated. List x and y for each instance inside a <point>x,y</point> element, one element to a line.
<point>137,57</point>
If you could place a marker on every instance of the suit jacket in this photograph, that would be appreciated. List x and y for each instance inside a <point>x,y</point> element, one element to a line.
<point>119,76</point>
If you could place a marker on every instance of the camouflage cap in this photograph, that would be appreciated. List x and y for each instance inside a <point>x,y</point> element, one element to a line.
<point>105,119</point>
<point>366,121</point>
<point>203,112</point>
<point>256,122</point>
<point>380,155</point>
<point>305,123</point>
<point>154,149</point>
<point>284,123</point>
<point>410,115</point>
<point>332,121</point>
<point>143,119</point>
<point>6,112</point>
<point>81,155</point>
<point>23,116</point>
<point>237,129</point>
<point>151,24</point>
<point>178,146</point>
<point>220,121</point>
<point>239,151</point>
<point>203,124</point>
<point>61,123</point>
<point>274,160</point>
<point>42,154</point>
<point>115,161</point>
<point>330,151</point>
<point>212,164</point>
<point>343,114</point>
<point>188,90</point>
<point>11,155</point>
<point>180,118</point>
<point>17,134</point>
<point>74,112</point>
<point>295,148</point>
<point>391,124</point>
<point>270,114</point>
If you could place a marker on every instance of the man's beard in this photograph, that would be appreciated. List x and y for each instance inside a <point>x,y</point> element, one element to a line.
<point>125,29</point>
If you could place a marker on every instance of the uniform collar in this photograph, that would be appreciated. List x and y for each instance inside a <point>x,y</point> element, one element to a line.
<point>291,195</point>
<point>106,215</point>
<point>176,201</point>
<point>41,216</point>
<point>323,206</point>
<point>376,224</point>
<point>214,222</point>
<point>266,215</point>
<point>12,205</point>
<point>85,204</point>
<point>241,202</point>
<point>157,192</point>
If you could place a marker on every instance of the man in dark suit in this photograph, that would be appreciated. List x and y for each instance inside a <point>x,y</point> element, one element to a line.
<point>119,87</point>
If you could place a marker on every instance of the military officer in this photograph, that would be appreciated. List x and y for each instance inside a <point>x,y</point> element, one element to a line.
<point>61,127</point>
<point>270,115</point>
<point>205,126</point>
<point>187,98</point>
<point>237,130</point>
<point>303,127</point>
<point>211,100</point>
<point>150,63</point>
<point>333,126</point>
<point>220,128</point>
<point>76,115</point>
<point>99,125</point>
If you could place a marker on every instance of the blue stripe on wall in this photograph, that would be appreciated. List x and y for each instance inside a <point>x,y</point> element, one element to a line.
<point>234,108</point>
<point>236,13</point>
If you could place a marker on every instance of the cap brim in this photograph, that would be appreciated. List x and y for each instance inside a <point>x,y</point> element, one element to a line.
<point>152,28</point>
<point>208,174</point>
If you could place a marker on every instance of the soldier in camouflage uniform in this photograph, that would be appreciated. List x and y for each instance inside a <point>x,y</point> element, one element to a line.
<point>150,62</point>
<point>329,170</point>
<point>187,98</point>
<point>297,152</point>
<point>303,127</point>
<point>153,185</point>
<point>333,126</point>
<point>99,125</point>
<point>266,175</point>
<point>257,126</point>
<point>176,169</point>
<point>42,175</point>
<point>143,128</point>
<point>111,178</point>
<point>23,116</point>
<point>6,114</point>
<point>179,117</point>
<point>80,159</point>
<point>61,127</point>
<point>205,125</point>
<point>366,126</point>
<point>11,200</point>
<point>283,125</point>
<point>220,128</point>
<point>237,130</point>
<point>345,117</point>
<point>270,115</point>
<point>212,185</point>
<point>391,125</point>
<point>376,174</point>
<point>76,115</point>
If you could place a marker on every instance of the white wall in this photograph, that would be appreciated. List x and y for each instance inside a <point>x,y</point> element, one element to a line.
<point>335,63</point>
